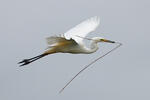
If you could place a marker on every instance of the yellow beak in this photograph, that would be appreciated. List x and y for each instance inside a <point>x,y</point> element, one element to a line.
<point>109,41</point>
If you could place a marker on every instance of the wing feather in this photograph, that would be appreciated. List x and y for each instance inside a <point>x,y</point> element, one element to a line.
<point>54,40</point>
<point>82,29</point>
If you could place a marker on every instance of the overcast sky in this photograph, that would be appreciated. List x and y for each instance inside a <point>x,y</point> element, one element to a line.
<point>122,75</point>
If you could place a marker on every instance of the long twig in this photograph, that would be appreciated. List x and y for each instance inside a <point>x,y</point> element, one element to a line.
<point>87,66</point>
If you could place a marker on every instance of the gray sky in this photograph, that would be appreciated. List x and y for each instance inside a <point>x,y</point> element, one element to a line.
<point>123,75</point>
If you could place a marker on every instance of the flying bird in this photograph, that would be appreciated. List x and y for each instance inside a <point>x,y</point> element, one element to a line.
<point>72,41</point>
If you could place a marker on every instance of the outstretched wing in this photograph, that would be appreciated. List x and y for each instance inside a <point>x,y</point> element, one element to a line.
<point>53,40</point>
<point>82,29</point>
<point>56,40</point>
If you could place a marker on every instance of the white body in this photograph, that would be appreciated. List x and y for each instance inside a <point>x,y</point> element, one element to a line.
<point>72,40</point>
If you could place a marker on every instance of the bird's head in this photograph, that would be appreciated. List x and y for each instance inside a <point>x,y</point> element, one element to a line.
<point>100,39</point>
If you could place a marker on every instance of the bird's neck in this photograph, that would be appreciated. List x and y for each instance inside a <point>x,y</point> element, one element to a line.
<point>93,47</point>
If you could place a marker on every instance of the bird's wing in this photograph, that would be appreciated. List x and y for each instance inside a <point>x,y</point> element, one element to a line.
<point>82,29</point>
<point>53,40</point>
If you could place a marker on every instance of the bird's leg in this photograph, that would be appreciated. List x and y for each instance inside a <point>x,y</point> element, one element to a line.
<point>28,61</point>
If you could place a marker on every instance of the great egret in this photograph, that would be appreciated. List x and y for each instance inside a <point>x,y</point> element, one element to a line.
<point>72,42</point>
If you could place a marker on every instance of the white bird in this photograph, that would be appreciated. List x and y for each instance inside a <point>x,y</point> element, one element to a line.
<point>72,42</point>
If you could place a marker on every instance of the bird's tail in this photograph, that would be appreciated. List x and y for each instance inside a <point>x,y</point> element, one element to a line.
<point>28,61</point>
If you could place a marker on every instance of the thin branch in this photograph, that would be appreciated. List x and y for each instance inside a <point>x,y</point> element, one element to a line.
<point>87,66</point>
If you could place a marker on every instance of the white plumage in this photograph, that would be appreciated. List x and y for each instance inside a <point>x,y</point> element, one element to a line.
<point>76,36</point>
<point>82,29</point>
